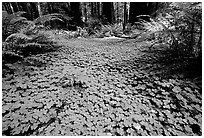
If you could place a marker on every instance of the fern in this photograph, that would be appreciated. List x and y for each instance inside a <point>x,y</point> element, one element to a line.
<point>18,38</point>
<point>23,37</point>
<point>50,17</point>
<point>10,22</point>
<point>28,28</point>
<point>35,48</point>
<point>10,57</point>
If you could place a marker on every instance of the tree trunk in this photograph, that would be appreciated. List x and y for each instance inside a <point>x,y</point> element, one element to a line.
<point>98,10</point>
<point>15,6</point>
<point>95,9</point>
<point>137,8</point>
<point>92,12</point>
<point>49,7</point>
<point>39,9</point>
<point>34,10</point>
<point>85,12</point>
<point>117,12</point>
<point>107,12</point>
<point>11,7</point>
<point>125,16</point>
<point>112,12</point>
<point>142,8</point>
<point>76,13</point>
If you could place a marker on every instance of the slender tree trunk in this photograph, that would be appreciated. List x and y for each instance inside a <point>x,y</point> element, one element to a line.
<point>117,12</point>
<point>39,9</point>
<point>112,12</point>
<point>15,6</point>
<point>85,11</point>
<point>92,10</point>
<point>49,7</point>
<point>98,10</point>
<point>125,16</point>
<point>50,11</point>
<point>95,10</point>
<point>11,7</point>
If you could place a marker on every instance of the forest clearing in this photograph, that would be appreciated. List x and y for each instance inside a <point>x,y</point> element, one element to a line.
<point>119,79</point>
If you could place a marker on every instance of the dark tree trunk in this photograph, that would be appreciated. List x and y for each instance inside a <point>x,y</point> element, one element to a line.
<point>34,10</point>
<point>125,16</point>
<point>137,8</point>
<point>98,10</point>
<point>49,5</point>
<point>141,8</point>
<point>76,13</point>
<point>107,12</point>
<point>152,6</point>
<point>85,12</point>
<point>112,12</point>
<point>92,9</point>
<point>3,7</point>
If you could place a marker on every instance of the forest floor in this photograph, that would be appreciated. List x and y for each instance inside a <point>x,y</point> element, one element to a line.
<point>99,87</point>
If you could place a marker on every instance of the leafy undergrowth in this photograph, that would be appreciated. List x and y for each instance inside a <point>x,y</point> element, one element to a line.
<point>94,87</point>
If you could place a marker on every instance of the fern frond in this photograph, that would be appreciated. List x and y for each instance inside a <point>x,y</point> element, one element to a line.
<point>27,28</point>
<point>13,17</point>
<point>35,48</point>
<point>51,17</point>
<point>18,38</point>
<point>11,23</point>
<point>19,13</point>
<point>17,19</point>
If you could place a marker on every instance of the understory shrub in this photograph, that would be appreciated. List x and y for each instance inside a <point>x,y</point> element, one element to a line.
<point>80,32</point>
<point>108,30</point>
<point>179,26</point>
<point>93,25</point>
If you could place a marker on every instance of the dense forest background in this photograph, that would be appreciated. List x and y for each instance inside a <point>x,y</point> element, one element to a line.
<point>81,12</point>
<point>178,25</point>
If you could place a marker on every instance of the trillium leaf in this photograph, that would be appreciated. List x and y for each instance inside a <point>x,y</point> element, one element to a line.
<point>176,89</point>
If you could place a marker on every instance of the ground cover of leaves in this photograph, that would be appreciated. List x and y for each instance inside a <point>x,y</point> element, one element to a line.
<point>98,87</point>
